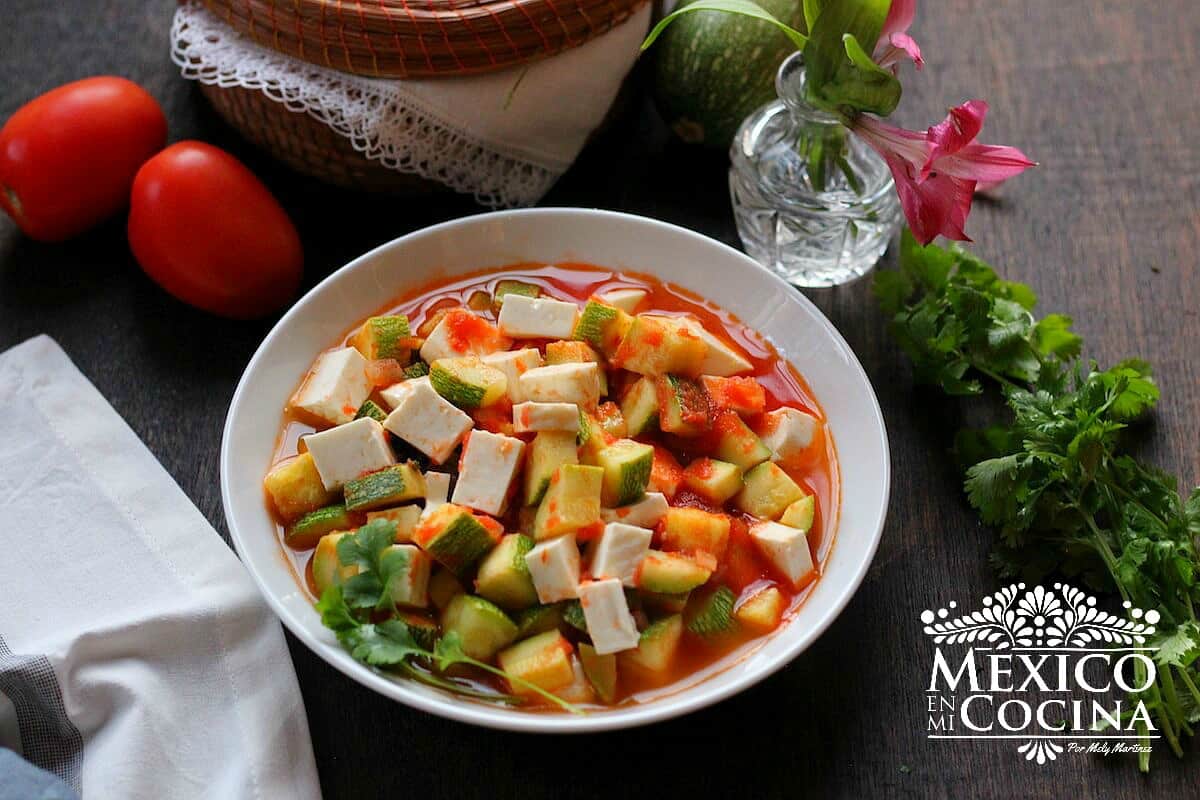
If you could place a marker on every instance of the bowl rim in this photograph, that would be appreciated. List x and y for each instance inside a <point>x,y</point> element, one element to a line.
<point>475,713</point>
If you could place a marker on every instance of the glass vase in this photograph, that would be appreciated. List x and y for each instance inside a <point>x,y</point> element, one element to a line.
<point>812,203</point>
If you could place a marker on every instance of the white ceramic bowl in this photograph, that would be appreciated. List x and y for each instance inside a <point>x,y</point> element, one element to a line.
<point>618,241</point>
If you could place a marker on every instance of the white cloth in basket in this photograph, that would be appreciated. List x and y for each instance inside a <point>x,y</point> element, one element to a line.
<point>504,137</point>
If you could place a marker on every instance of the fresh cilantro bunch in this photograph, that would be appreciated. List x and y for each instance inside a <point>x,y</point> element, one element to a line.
<point>363,615</point>
<point>1055,477</point>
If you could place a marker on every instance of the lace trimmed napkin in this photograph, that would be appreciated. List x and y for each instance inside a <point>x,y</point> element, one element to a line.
<point>137,658</point>
<point>504,137</point>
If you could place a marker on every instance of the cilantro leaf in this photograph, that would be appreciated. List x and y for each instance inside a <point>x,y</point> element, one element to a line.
<point>1180,648</point>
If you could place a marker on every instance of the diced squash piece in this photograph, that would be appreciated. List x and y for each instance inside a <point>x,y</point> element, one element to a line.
<point>736,443</point>
<point>710,613</point>
<point>767,492</point>
<point>503,576</point>
<point>674,573</point>
<point>538,619</point>
<point>660,345</point>
<point>295,487</point>
<point>601,671</point>
<point>683,407</point>
<point>571,502</point>
<point>657,647</point>
<point>720,357</point>
<point>602,326</point>
<point>612,422</point>
<point>423,629</point>
<point>639,406</point>
<point>548,451</point>
<point>800,513</point>
<point>592,438</point>
<point>443,587</point>
<point>665,473</point>
<point>387,487</point>
<point>409,569</point>
<point>372,410</point>
<point>712,479</point>
<point>404,518</point>
<point>455,537</point>
<point>509,286</point>
<point>762,610</point>
<point>383,337</point>
<point>308,530</point>
<point>543,660</point>
<point>483,628</point>
<point>626,466</point>
<point>418,369</point>
<point>467,382</point>
<point>745,396</point>
<point>572,614</point>
<point>327,570</point>
<point>664,604</point>
<point>692,529</point>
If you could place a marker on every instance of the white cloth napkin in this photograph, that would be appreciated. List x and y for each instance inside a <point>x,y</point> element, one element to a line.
<point>137,659</point>
<point>504,137</point>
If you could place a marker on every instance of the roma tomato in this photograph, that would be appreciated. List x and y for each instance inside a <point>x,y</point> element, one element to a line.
<point>67,158</point>
<point>208,231</point>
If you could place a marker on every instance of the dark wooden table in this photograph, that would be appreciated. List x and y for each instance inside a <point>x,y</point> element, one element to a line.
<point>1107,230</point>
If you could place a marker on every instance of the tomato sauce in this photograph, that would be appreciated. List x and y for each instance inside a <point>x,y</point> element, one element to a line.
<point>780,384</point>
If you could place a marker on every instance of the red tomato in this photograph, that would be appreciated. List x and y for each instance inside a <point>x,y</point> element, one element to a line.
<point>208,231</point>
<point>67,158</point>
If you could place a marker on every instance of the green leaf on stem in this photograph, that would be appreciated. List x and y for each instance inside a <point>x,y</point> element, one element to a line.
<point>840,76</point>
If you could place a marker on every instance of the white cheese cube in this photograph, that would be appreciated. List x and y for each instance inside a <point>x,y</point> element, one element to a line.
<point>618,551</point>
<point>625,299</point>
<point>437,489</point>
<point>577,383</point>
<point>788,433</point>
<point>645,513</point>
<point>427,421</point>
<point>721,359</point>
<point>409,586</point>
<point>347,451</point>
<point>786,547</point>
<point>489,462</point>
<point>609,622</point>
<point>524,317</point>
<point>440,344</point>
<point>554,567</point>
<point>545,417</point>
<point>336,387</point>
<point>392,394</point>
<point>514,363</point>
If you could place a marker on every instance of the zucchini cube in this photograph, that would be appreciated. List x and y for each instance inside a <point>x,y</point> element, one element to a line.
<point>767,492</point>
<point>674,573</point>
<point>736,443</point>
<point>308,530</point>
<point>683,406</point>
<point>712,479</point>
<point>659,345</point>
<point>657,648</point>
<point>710,613</point>
<point>626,466</point>
<point>384,337</point>
<point>762,610</point>
<point>468,382</point>
<point>455,537</point>
<point>602,326</point>
<point>543,660</point>
<point>387,487</point>
<point>409,568</point>
<point>503,575</point>
<point>295,487</point>
<point>327,570</point>
<point>571,502</point>
<point>800,514</point>
<point>548,451</point>
<point>693,529</point>
<point>601,671</point>
<point>483,628</point>
<point>404,518</point>
<point>639,406</point>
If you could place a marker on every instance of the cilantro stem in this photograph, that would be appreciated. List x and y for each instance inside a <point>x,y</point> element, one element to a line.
<point>996,376</point>
<point>522,682</point>
<point>1187,679</point>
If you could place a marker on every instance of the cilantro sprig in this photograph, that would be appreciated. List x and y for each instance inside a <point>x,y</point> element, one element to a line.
<point>349,610</point>
<point>1055,477</point>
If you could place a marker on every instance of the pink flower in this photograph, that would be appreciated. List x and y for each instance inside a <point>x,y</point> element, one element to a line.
<point>937,172</point>
<point>894,42</point>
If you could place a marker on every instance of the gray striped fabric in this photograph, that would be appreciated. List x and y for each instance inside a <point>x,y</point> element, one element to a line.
<point>49,739</point>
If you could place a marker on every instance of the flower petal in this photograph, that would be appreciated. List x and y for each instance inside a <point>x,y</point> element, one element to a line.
<point>896,48</point>
<point>899,19</point>
<point>956,131</point>
<point>987,164</point>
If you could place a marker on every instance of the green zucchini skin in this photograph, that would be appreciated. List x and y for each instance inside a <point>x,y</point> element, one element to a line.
<point>712,69</point>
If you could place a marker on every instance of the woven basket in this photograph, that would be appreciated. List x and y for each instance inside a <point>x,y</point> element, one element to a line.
<point>421,38</point>
<point>308,145</point>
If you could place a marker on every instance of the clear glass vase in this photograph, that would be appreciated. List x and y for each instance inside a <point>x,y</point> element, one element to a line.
<point>812,202</point>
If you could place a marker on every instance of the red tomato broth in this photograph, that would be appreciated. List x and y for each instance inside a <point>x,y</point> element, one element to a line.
<point>782,385</point>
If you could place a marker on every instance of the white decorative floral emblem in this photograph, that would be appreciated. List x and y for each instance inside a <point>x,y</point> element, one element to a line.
<point>1019,617</point>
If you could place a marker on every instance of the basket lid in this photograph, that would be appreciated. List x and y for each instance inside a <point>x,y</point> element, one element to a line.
<point>421,38</point>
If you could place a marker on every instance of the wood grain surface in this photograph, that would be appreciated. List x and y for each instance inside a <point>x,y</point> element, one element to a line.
<point>1107,229</point>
